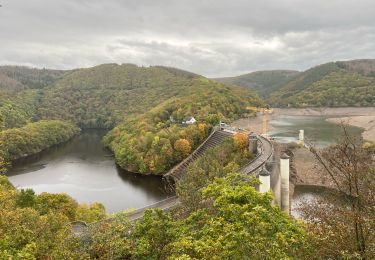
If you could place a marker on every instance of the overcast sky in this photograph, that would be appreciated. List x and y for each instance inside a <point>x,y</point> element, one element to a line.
<point>209,37</point>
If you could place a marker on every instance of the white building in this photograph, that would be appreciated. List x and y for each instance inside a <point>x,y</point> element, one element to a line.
<point>189,121</point>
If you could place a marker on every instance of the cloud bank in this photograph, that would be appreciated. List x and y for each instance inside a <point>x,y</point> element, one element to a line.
<point>209,37</point>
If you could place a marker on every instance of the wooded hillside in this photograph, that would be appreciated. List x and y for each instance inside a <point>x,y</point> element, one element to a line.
<point>147,104</point>
<point>263,82</point>
<point>350,83</point>
<point>341,83</point>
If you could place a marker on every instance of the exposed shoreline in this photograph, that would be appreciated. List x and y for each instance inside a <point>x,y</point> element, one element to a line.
<point>307,170</point>
<point>325,111</point>
<point>367,123</point>
<point>362,117</point>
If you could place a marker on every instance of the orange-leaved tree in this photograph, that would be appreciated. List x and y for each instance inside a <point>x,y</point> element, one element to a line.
<point>241,141</point>
<point>183,147</point>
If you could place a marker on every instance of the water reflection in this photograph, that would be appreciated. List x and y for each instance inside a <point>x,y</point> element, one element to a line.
<point>85,170</point>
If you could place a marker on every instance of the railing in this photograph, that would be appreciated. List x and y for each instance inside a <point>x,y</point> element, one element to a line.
<point>265,145</point>
<point>171,200</point>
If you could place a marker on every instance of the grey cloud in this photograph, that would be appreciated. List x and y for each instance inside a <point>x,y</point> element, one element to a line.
<point>210,37</point>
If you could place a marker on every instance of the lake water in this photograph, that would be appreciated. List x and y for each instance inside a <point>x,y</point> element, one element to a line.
<point>317,130</point>
<point>85,170</point>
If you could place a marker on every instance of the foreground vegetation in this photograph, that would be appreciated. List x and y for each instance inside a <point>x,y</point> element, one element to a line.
<point>229,219</point>
<point>343,220</point>
<point>221,216</point>
<point>37,226</point>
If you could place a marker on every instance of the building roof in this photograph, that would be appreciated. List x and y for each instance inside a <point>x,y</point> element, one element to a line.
<point>189,118</point>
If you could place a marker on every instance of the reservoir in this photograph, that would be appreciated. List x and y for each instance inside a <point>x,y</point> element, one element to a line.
<point>84,169</point>
<point>318,131</point>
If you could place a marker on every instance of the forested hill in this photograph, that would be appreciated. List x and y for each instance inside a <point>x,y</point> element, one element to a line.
<point>105,95</point>
<point>263,82</point>
<point>342,83</point>
<point>16,78</point>
<point>21,89</point>
<point>147,104</point>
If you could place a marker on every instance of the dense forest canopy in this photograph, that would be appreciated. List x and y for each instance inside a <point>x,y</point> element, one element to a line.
<point>152,142</point>
<point>35,137</point>
<point>341,83</point>
<point>105,95</point>
<point>147,104</point>
<point>28,78</point>
<point>263,82</point>
<point>19,108</point>
<point>21,90</point>
<point>36,226</point>
<point>331,84</point>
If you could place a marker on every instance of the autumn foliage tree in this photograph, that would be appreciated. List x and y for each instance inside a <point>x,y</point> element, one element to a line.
<point>241,141</point>
<point>183,147</point>
<point>3,163</point>
<point>38,226</point>
<point>237,222</point>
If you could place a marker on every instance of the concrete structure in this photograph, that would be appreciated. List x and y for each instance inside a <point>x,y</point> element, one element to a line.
<point>265,180</point>
<point>284,172</point>
<point>214,139</point>
<point>301,137</point>
<point>253,143</point>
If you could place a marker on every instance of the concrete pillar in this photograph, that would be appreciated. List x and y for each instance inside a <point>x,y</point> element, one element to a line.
<point>265,180</point>
<point>301,137</point>
<point>253,144</point>
<point>284,172</point>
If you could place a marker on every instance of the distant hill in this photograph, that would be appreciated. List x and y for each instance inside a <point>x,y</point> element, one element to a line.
<point>144,107</point>
<point>342,83</point>
<point>21,77</point>
<point>107,94</point>
<point>20,93</point>
<point>263,82</point>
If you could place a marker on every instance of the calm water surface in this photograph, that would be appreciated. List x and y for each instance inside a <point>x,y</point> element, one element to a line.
<point>317,130</point>
<point>85,170</point>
